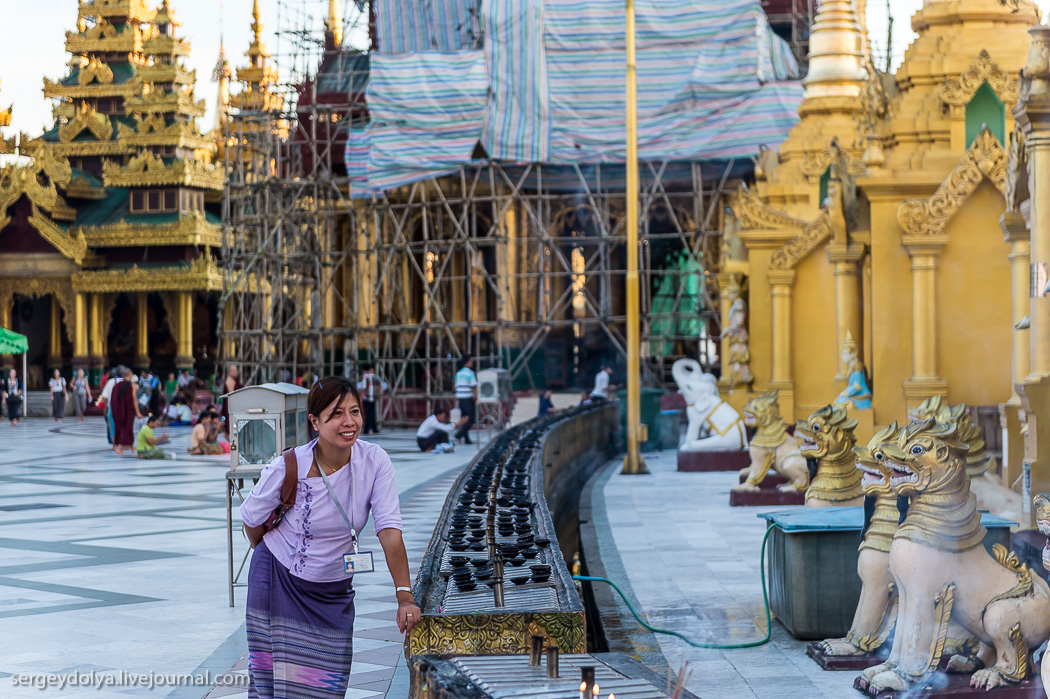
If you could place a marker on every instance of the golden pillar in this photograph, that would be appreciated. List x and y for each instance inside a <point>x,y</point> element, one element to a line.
<point>184,340</point>
<point>1033,116</point>
<point>724,305</point>
<point>846,259</point>
<point>1039,303</point>
<point>96,343</point>
<point>80,331</point>
<point>1016,233</point>
<point>141,331</point>
<point>925,381</point>
<point>54,358</point>
<point>781,282</point>
<point>6,360</point>
<point>230,345</point>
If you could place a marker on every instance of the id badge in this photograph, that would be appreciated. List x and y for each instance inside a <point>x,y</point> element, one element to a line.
<point>360,562</point>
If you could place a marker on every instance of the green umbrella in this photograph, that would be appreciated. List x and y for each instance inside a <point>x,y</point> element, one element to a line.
<point>12,343</point>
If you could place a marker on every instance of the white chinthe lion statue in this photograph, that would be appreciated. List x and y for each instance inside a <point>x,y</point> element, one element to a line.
<point>713,424</point>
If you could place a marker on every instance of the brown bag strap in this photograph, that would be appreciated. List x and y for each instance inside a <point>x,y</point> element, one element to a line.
<point>291,478</point>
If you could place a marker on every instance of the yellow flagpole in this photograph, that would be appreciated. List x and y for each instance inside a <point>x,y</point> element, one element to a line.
<point>632,463</point>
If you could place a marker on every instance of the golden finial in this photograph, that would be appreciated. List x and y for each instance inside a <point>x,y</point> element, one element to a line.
<point>334,24</point>
<point>165,16</point>
<point>849,344</point>
<point>257,48</point>
<point>836,52</point>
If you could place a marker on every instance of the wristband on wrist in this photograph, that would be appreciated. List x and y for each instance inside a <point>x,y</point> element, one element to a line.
<point>402,588</point>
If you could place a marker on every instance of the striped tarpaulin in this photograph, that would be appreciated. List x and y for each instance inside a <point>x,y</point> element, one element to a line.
<point>714,83</point>
<point>408,26</point>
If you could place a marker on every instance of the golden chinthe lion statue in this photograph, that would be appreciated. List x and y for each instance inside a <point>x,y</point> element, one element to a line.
<point>877,609</point>
<point>772,448</point>
<point>827,436</point>
<point>944,573</point>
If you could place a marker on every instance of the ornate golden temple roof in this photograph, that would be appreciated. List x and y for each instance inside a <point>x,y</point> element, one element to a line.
<point>6,147</point>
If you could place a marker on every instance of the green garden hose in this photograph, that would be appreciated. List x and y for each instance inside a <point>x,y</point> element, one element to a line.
<point>694,644</point>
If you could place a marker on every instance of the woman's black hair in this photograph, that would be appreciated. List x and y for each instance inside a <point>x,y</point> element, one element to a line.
<point>328,390</point>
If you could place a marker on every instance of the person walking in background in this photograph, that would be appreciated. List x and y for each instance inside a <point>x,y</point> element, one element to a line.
<point>146,443</point>
<point>601,385</point>
<point>125,409</point>
<point>467,393</point>
<point>371,388</point>
<point>105,400</point>
<point>13,391</point>
<point>57,386</point>
<point>81,393</point>
<point>229,385</point>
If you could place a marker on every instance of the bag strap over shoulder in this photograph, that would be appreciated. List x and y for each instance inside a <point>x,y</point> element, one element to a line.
<point>291,477</point>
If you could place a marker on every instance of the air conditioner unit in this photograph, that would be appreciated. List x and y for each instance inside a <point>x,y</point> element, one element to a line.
<point>494,386</point>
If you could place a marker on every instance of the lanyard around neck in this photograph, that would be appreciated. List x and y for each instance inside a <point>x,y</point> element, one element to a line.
<point>339,505</point>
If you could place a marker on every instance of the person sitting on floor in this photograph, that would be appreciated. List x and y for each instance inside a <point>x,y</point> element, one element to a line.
<point>205,435</point>
<point>182,415</point>
<point>435,435</point>
<point>146,443</point>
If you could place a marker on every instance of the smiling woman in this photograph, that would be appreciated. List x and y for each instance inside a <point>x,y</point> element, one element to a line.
<point>300,614</point>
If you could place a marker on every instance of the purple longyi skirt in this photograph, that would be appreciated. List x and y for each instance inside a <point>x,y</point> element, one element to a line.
<point>300,633</point>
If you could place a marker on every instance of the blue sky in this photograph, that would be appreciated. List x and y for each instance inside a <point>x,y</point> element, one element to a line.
<point>32,42</point>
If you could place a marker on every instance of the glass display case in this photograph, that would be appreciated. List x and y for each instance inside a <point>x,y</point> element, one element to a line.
<point>266,420</point>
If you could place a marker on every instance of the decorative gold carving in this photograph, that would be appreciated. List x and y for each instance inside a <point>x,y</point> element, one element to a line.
<point>984,158</point>
<point>201,275</point>
<point>933,408</point>
<point>754,213</point>
<point>104,38</point>
<point>163,45</point>
<point>167,73</point>
<point>959,91</point>
<point>73,247</point>
<point>86,119</point>
<point>181,102</point>
<point>189,230</point>
<point>37,181</point>
<point>770,447</point>
<point>80,188</point>
<point>149,170</point>
<point>815,164</point>
<point>1016,172</point>
<point>58,90</point>
<point>39,287</point>
<point>133,9</point>
<point>501,634</point>
<point>95,71</point>
<point>152,130</point>
<point>812,235</point>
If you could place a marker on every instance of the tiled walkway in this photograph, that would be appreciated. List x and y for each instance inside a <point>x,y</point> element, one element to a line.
<point>115,565</point>
<point>691,563</point>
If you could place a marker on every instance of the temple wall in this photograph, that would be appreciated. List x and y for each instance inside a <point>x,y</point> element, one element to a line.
<point>973,301</point>
<point>890,363</point>
<point>813,350</point>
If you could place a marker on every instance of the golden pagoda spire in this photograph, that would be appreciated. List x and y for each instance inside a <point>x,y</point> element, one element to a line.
<point>221,75</point>
<point>165,16</point>
<point>333,27</point>
<point>836,53</point>
<point>257,49</point>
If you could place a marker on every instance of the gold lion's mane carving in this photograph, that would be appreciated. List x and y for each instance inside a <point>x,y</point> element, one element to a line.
<point>986,157</point>
<point>959,91</point>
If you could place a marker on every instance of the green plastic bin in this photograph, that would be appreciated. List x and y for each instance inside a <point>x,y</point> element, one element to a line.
<point>650,405</point>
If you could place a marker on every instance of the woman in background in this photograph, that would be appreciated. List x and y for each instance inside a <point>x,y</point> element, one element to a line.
<point>13,391</point>
<point>81,394</point>
<point>57,384</point>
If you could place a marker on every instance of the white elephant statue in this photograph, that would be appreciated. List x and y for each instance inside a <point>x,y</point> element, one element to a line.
<point>713,424</point>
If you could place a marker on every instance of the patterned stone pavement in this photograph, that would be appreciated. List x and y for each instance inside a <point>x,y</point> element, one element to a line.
<point>114,569</point>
